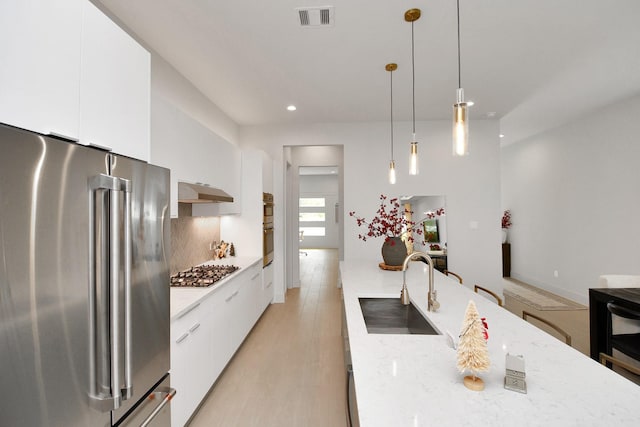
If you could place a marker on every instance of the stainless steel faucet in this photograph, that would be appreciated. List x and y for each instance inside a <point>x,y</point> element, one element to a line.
<point>432,302</point>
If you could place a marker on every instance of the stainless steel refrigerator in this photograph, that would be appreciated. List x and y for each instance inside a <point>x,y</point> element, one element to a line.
<point>84,285</point>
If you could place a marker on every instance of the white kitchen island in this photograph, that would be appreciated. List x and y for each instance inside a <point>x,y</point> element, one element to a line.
<point>412,380</point>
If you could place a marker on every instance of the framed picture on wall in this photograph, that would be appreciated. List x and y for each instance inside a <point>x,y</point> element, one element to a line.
<point>430,228</point>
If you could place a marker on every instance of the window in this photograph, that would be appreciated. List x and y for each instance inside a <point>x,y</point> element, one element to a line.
<point>312,216</point>
<point>312,212</point>
<point>312,202</point>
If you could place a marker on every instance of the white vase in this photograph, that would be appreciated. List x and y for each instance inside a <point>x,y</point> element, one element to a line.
<point>504,235</point>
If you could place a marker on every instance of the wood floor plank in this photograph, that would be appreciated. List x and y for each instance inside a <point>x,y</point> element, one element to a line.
<point>290,369</point>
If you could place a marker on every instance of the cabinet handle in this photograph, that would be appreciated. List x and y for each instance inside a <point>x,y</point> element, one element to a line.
<point>232,296</point>
<point>101,147</point>
<point>189,311</point>
<point>256,276</point>
<point>63,136</point>
<point>269,285</point>
<point>182,337</point>
<point>194,327</point>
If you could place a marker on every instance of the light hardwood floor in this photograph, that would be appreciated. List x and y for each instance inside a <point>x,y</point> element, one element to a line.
<point>290,369</point>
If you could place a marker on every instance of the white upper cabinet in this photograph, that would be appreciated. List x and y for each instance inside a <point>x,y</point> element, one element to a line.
<point>67,69</point>
<point>194,154</point>
<point>40,65</point>
<point>222,169</point>
<point>114,87</point>
<point>267,173</point>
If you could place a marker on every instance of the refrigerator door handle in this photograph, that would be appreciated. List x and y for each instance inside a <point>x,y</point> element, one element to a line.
<point>115,186</point>
<point>127,390</point>
<point>114,287</point>
<point>170,392</point>
<point>94,184</point>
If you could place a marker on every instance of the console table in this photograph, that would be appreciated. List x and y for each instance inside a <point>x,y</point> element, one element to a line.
<point>439,260</point>
<point>598,313</point>
<point>506,260</point>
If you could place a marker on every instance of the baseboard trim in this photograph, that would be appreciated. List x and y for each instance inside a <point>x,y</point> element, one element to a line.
<point>539,298</point>
<point>572,296</point>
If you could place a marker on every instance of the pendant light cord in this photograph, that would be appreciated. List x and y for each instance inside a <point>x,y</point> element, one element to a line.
<point>413,80</point>
<point>458,12</point>
<point>391,73</point>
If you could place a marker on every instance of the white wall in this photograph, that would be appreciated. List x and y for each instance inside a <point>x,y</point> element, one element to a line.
<point>575,202</point>
<point>471,184</point>
<point>168,83</point>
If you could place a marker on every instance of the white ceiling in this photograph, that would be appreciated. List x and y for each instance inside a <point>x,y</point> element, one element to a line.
<point>534,63</point>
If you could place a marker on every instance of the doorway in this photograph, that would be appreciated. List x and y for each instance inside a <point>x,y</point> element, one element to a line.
<point>314,196</point>
<point>318,207</point>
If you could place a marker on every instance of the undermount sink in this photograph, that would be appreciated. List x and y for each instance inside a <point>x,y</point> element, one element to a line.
<point>389,316</point>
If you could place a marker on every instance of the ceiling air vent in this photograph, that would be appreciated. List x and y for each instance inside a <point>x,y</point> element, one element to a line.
<point>311,17</point>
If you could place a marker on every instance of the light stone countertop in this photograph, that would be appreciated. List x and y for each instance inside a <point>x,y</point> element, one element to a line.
<point>184,298</point>
<point>412,380</point>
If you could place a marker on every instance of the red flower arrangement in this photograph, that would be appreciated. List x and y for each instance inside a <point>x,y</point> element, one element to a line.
<point>438,212</point>
<point>389,221</point>
<point>506,219</point>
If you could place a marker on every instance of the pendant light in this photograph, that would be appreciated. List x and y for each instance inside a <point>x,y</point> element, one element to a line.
<point>460,118</point>
<point>413,15</point>
<point>392,165</point>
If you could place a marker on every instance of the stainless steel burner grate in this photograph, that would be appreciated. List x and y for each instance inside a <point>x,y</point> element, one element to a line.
<point>202,276</point>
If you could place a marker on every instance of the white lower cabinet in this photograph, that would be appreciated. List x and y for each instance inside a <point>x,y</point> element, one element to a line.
<point>205,338</point>
<point>231,318</point>
<point>190,354</point>
<point>266,296</point>
<point>255,291</point>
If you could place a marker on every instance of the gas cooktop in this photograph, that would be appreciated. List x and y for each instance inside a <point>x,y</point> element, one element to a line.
<point>202,276</point>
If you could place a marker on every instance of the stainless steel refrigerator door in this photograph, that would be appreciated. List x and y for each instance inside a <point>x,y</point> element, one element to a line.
<point>150,252</point>
<point>44,270</point>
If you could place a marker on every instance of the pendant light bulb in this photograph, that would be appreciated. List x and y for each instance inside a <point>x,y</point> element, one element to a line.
<point>460,118</point>
<point>413,160</point>
<point>392,165</point>
<point>413,15</point>
<point>392,172</point>
<point>460,126</point>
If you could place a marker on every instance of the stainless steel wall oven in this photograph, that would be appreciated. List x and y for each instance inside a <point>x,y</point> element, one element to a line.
<point>267,229</point>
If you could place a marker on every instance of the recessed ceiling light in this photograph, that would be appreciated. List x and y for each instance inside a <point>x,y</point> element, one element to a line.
<point>291,108</point>
<point>501,135</point>
<point>491,114</point>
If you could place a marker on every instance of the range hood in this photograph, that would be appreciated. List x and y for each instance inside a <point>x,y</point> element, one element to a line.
<point>201,193</point>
